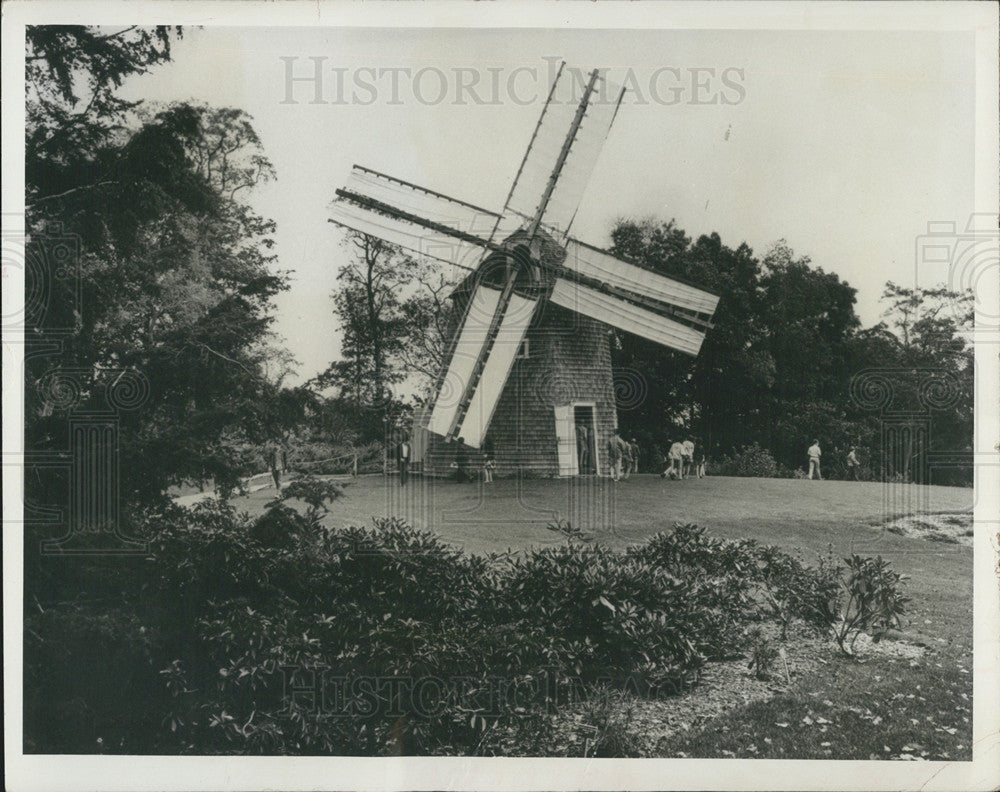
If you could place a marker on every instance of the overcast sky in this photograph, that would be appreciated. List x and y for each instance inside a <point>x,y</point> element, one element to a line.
<point>844,143</point>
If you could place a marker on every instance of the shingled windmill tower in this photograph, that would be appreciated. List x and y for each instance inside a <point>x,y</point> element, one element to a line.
<point>530,358</point>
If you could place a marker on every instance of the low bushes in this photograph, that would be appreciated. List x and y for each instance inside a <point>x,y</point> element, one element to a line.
<point>752,461</point>
<point>276,635</point>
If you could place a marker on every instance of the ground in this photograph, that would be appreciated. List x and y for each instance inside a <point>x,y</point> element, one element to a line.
<point>911,700</point>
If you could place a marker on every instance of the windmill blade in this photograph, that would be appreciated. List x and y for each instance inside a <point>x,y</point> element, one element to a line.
<point>597,264</point>
<point>416,238</point>
<point>626,316</point>
<point>562,152</point>
<point>486,395</point>
<point>414,217</point>
<point>468,348</point>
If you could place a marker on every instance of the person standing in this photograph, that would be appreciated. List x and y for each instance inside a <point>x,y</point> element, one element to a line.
<point>628,462</point>
<point>676,457</point>
<point>616,452</point>
<point>462,462</point>
<point>582,449</point>
<point>277,461</point>
<point>687,458</point>
<point>852,464</point>
<point>403,457</point>
<point>815,452</point>
<point>634,445</point>
<point>489,460</point>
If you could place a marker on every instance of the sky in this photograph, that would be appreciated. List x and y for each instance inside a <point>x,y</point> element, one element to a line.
<point>844,143</point>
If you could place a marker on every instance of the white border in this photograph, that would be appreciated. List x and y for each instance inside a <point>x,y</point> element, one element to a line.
<point>204,773</point>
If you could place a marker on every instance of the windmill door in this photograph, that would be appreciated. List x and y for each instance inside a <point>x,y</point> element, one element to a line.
<point>566,440</point>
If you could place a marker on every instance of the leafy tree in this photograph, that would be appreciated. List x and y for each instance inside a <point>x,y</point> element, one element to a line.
<point>928,362</point>
<point>777,367</point>
<point>430,321</point>
<point>368,302</point>
<point>396,321</point>
<point>175,275</point>
<point>72,73</point>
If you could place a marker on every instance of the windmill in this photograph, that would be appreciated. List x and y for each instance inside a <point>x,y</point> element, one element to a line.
<point>529,361</point>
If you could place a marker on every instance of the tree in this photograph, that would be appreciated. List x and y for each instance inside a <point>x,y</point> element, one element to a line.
<point>174,275</point>
<point>705,396</point>
<point>72,73</point>
<point>430,317</point>
<point>775,366</point>
<point>368,303</point>
<point>929,372</point>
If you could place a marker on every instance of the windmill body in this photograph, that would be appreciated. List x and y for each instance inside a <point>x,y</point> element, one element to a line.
<point>528,370</point>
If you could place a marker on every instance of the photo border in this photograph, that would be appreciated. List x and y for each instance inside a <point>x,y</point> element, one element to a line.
<point>44,772</point>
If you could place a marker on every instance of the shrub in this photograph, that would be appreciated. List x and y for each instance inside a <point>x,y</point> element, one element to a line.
<point>752,461</point>
<point>874,601</point>
<point>604,614</point>
<point>230,614</point>
<point>315,493</point>
<point>763,653</point>
<point>741,579</point>
<point>793,590</point>
<point>607,715</point>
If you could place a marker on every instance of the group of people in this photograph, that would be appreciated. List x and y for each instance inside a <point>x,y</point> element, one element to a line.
<point>466,468</point>
<point>681,461</point>
<point>815,454</point>
<point>623,456</point>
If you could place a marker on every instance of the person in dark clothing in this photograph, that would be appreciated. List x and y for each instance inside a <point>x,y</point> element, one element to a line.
<point>277,461</point>
<point>582,449</point>
<point>462,462</point>
<point>403,452</point>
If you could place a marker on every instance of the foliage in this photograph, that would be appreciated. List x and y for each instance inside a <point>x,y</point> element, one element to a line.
<point>431,648</point>
<point>315,493</point>
<point>786,332</point>
<point>763,654</point>
<point>164,299</point>
<point>874,601</point>
<point>749,579</point>
<point>608,715</point>
<point>752,461</point>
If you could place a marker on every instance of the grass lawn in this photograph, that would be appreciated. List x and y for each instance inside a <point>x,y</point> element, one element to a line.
<point>886,707</point>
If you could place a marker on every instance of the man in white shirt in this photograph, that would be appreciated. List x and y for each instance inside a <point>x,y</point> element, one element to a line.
<point>687,457</point>
<point>814,454</point>
<point>616,453</point>
<point>403,453</point>
<point>675,456</point>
